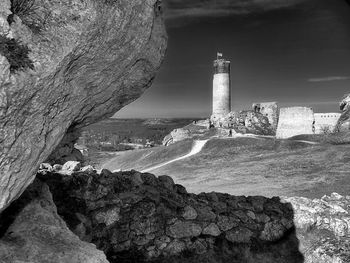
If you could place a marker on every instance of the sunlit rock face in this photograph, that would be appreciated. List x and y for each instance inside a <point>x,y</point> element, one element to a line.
<point>323,227</point>
<point>78,62</point>
<point>344,120</point>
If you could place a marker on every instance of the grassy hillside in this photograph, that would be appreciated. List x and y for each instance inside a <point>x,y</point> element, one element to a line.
<point>142,159</point>
<point>255,166</point>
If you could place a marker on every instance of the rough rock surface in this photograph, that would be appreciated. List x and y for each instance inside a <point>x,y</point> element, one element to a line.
<point>177,135</point>
<point>31,231</point>
<point>129,214</point>
<point>86,60</point>
<point>343,123</point>
<point>269,110</point>
<point>323,227</point>
<point>250,122</point>
<point>235,122</point>
<point>246,122</point>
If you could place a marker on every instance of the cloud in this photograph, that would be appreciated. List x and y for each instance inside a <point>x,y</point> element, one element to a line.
<point>179,9</point>
<point>330,78</point>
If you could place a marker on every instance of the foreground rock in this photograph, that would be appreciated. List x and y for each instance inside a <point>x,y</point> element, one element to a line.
<point>323,227</point>
<point>72,63</point>
<point>32,231</point>
<point>134,216</point>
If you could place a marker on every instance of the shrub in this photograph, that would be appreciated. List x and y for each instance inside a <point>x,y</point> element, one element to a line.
<point>326,129</point>
<point>16,54</point>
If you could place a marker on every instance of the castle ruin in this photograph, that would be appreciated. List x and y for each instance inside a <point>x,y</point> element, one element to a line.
<point>284,122</point>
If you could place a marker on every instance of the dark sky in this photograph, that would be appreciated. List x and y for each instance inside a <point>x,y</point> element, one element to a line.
<point>296,52</point>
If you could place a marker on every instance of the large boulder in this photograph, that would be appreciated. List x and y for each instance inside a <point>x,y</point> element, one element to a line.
<point>343,123</point>
<point>33,232</point>
<point>64,65</point>
<point>251,122</point>
<point>323,227</point>
<point>268,109</point>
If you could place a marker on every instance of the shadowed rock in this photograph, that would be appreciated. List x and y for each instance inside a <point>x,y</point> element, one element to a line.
<point>86,60</point>
<point>38,234</point>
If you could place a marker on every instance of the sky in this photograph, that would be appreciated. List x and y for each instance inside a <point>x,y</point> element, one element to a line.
<point>295,52</point>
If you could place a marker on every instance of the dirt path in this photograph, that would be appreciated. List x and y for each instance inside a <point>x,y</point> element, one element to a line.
<point>196,148</point>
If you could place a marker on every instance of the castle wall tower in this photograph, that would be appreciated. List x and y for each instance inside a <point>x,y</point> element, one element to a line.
<point>221,89</point>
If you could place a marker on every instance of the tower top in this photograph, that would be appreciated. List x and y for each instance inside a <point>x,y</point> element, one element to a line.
<point>221,65</point>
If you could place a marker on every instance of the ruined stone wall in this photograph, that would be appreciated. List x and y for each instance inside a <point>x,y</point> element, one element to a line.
<point>128,212</point>
<point>269,110</point>
<point>325,122</point>
<point>294,121</point>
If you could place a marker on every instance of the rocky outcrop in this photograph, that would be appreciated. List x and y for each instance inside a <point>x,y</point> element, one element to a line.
<point>323,227</point>
<point>269,110</point>
<point>135,216</point>
<point>244,122</point>
<point>241,122</point>
<point>343,123</point>
<point>64,65</point>
<point>177,135</point>
<point>250,122</point>
<point>31,231</point>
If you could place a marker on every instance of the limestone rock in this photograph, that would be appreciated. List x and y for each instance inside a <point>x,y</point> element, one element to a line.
<point>189,213</point>
<point>212,230</point>
<point>167,182</point>
<point>239,235</point>
<point>176,247</point>
<point>46,167</point>
<point>269,110</point>
<point>177,135</point>
<point>226,223</point>
<point>323,227</point>
<point>39,235</point>
<point>71,166</point>
<point>108,216</point>
<point>272,231</point>
<point>343,123</point>
<point>246,122</point>
<point>88,169</point>
<point>86,60</point>
<point>181,229</point>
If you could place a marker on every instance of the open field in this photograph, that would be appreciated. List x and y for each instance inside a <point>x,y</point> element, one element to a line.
<point>250,166</point>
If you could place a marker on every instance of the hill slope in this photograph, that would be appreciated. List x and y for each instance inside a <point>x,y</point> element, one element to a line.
<point>250,166</point>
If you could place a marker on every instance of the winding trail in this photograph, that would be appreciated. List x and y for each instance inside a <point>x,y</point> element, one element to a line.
<point>307,142</point>
<point>196,148</point>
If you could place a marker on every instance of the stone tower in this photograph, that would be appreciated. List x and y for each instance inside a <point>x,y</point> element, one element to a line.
<point>221,89</point>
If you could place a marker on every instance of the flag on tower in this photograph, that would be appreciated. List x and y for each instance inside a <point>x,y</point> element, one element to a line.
<point>218,55</point>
